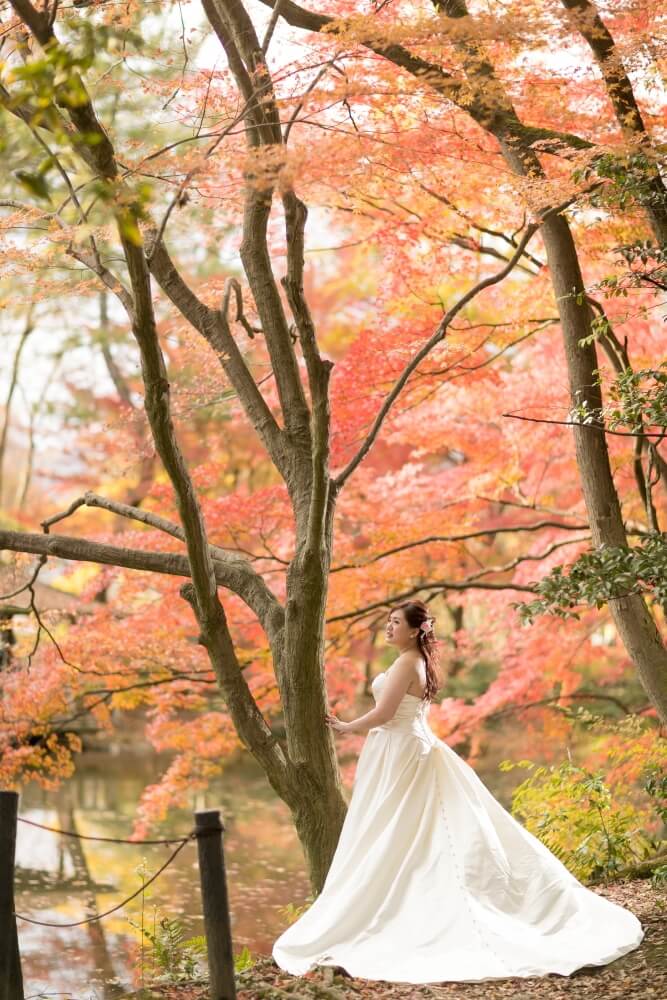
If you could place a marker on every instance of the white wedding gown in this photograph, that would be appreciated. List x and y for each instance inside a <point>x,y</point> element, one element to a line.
<point>433,880</point>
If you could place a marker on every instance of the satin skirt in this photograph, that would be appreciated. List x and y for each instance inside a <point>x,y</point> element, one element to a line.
<point>434,881</point>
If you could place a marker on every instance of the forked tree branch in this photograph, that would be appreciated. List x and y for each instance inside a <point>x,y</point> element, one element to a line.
<point>464,537</point>
<point>237,35</point>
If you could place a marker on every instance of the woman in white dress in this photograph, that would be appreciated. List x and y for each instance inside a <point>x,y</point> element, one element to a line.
<point>432,879</point>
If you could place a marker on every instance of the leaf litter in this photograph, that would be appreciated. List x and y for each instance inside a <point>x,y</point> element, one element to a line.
<point>640,975</point>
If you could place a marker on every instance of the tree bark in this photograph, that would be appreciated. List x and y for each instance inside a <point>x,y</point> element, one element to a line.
<point>635,624</point>
<point>586,18</point>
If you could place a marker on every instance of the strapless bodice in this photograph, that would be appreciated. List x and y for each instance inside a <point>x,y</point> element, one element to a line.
<point>411,715</point>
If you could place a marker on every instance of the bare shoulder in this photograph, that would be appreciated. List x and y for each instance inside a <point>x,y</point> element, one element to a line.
<point>408,664</point>
<point>412,670</point>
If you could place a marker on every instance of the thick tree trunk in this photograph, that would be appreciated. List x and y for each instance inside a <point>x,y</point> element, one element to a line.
<point>636,626</point>
<point>320,814</point>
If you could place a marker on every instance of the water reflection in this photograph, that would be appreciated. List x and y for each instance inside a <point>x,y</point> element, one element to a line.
<point>63,879</point>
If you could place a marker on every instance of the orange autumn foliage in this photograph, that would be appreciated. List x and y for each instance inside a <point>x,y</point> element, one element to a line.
<point>410,205</point>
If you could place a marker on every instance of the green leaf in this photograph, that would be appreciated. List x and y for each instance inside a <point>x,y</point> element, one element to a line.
<point>34,183</point>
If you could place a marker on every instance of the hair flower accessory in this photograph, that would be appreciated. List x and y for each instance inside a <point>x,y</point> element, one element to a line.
<point>426,627</point>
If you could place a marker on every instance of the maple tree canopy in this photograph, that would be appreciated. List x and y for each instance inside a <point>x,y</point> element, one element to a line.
<point>313,310</point>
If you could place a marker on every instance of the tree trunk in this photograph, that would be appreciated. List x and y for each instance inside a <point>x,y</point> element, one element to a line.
<point>320,808</point>
<point>636,626</point>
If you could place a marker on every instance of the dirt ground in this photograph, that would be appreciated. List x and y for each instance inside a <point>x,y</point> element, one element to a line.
<point>640,975</point>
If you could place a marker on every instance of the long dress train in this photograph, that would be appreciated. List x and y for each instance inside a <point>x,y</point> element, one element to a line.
<point>434,881</point>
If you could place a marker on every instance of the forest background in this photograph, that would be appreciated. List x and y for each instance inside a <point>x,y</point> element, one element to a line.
<point>325,310</point>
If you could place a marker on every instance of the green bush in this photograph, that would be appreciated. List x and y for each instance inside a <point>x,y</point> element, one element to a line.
<point>597,825</point>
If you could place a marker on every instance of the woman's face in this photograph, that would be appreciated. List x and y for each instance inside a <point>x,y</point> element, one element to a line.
<point>398,632</point>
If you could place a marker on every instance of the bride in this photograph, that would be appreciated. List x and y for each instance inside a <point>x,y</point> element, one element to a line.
<point>432,879</point>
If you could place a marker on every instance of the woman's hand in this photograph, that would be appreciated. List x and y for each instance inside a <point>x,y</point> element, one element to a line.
<point>337,724</point>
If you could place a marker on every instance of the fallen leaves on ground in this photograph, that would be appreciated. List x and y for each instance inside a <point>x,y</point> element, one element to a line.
<point>640,975</point>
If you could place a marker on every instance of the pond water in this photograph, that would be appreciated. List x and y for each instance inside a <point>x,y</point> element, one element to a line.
<point>64,879</point>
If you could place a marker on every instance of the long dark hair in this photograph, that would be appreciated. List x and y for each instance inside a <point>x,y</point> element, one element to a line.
<point>416,613</point>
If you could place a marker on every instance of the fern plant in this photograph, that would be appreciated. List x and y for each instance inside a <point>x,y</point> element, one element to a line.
<point>173,959</point>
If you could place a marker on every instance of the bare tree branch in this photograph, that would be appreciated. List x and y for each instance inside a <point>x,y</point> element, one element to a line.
<point>495,233</point>
<point>230,573</point>
<point>214,328</point>
<point>237,35</point>
<point>587,426</point>
<point>437,587</point>
<point>466,536</point>
<point>574,696</point>
<point>270,28</point>
<point>439,335</point>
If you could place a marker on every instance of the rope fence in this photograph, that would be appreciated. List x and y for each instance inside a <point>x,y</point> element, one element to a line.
<point>207,832</point>
<point>119,906</point>
<point>108,840</point>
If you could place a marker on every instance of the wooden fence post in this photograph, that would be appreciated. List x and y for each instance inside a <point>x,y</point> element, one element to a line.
<point>11,978</point>
<point>209,829</point>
